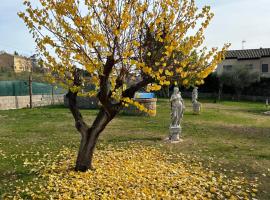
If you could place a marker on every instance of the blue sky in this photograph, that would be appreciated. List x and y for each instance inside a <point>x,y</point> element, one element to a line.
<point>234,21</point>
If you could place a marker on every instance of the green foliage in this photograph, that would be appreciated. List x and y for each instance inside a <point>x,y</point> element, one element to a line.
<point>239,77</point>
<point>8,75</point>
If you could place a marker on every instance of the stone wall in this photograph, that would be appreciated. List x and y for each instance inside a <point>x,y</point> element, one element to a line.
<point>16,102</point>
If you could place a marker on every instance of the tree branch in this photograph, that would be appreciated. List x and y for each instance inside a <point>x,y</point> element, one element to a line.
<point>81,126</point>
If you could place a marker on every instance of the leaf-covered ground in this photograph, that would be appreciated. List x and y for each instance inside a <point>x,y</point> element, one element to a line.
<point>131,172</point>
<point>228,137</point>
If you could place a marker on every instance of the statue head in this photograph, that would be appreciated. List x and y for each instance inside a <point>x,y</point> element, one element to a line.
<point>175,90</point>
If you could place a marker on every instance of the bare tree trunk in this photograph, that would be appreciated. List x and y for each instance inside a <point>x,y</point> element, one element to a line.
<point>89,141</point>
<point>168,91</point>
<point>220,92</point>
<point>165,92</point>
<point>238,94</point>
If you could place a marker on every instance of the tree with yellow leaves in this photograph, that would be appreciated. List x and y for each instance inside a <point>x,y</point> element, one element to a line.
<point>115,41</point>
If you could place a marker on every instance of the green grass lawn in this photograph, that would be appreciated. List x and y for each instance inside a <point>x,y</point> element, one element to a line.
<point>231,137</point>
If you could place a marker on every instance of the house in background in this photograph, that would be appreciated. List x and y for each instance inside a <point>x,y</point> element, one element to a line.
<point>15,63</point>
<point>253,59</point>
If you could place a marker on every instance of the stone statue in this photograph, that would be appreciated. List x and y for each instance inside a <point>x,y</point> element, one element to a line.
<point>195,103</point>
<point>177,112</point>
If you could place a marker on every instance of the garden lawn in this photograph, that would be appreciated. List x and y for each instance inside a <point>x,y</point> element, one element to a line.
<point>231,138</point>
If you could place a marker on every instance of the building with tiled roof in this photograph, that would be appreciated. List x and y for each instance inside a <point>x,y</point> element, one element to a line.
<point>254,59</point>
<point>15,63</point>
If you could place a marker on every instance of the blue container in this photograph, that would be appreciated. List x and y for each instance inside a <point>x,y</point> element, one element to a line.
<point>144,95</point>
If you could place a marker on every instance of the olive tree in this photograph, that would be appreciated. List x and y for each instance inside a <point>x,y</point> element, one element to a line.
<point>238,78</point>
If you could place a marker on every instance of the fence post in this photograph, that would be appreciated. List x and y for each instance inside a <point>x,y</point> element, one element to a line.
<point>30,89</point>
<point>52,95</point>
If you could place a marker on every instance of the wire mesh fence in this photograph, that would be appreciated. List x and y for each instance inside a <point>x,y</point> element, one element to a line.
<point>21,88</point>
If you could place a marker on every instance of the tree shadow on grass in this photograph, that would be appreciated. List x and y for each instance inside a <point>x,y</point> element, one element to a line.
<point>258,111</point>
<point>191,114</point>
<point>56,106</point>
<point>24,175</point>
<point>21,174</point>
<point>132,139</point>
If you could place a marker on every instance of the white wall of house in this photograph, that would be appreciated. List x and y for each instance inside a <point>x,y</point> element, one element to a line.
<point>256,65</point>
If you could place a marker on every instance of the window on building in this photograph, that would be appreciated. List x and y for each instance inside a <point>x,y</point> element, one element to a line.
<point>227,67</point>
<point>265,68</point>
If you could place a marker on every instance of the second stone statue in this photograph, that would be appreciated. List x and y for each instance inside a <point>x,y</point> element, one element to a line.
<point>195,103</point>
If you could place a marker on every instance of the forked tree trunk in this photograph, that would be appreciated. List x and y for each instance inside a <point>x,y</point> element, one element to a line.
<point>89,136</point>
<point>89,141</point>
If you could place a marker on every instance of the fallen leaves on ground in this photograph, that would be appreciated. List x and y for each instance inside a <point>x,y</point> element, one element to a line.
<point>133,172</point>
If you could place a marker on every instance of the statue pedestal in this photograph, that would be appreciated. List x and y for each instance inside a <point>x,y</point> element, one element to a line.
<point>175,132</point>
<point>267,113</point>
<point>197,108</point>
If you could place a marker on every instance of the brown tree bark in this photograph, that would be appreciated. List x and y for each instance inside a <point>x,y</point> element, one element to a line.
<point>89,141</point>
<point>90,135</point>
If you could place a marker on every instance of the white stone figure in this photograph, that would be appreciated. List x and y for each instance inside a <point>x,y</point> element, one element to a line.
<point>195,103</point>
<point>177,112</point>
<point>267,106</point>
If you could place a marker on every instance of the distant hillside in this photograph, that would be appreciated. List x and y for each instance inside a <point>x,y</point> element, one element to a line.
<point>9,75</point>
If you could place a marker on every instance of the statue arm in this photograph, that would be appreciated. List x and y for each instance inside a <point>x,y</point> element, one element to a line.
<point>173,97</point>
<point>183,103</point>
